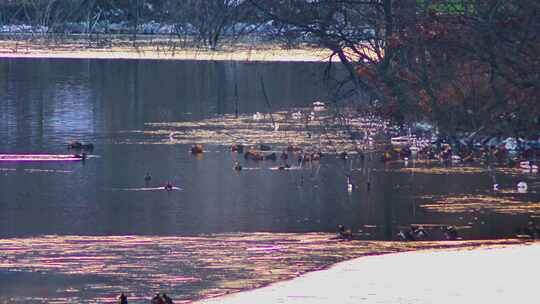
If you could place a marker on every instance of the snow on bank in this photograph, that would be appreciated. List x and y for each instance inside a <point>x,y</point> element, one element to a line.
<point>502,275</point>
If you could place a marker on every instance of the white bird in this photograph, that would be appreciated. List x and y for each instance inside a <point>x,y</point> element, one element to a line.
<point>522,187</point>
<point>528,165</point>
<point>319,106</point>
<point>257,116</point>
<point>350,185</point>
<point>172,134</point>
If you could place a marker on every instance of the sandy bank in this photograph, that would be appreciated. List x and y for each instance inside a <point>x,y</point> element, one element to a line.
<point>17,49</point>
<point>501,275</point>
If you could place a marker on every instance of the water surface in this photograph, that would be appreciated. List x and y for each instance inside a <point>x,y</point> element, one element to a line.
<point>121,106</point>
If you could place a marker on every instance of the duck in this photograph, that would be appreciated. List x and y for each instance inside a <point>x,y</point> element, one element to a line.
<point>405,235</point>
<point>319,106</point>
<point>344,233</point>
<point>450,232</point>
<point>418,232</point>
<point>81,155</point>
<point>455,158</point>
<point>77,145</point>
<point>237,148</point>
<point>362,156</point>
<point>263,147</point>
<point>528,165</point>
<point>350,185</point>
<point>386,156</point>
<point>197,149</point>
<point>253,155</point>
<point>522,186</point>
<point>257,116</point>
<point>285,166</point>
<point>316,156</point>
<point>271,156</point>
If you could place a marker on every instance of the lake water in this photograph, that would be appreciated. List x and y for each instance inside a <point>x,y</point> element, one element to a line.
<point>52,210</point>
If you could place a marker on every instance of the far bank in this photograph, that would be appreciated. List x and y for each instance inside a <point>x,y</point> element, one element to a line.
<point>163,50</point>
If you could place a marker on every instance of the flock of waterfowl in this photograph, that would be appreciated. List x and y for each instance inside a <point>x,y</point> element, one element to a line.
<point>263,152</point>
<point>342,135</point>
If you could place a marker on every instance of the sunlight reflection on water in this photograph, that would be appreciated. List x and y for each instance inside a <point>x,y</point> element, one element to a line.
<point>187,268</point>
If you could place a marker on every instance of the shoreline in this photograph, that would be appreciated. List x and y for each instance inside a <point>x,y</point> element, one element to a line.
<point>24,49</point>
<point>423,247</point>
<point>253,254</point>
<point>318,286</point>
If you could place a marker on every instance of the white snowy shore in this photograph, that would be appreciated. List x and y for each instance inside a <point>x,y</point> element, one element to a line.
<point>500,275</point>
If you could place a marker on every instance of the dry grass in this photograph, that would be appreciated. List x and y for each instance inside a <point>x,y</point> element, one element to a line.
<point>30,49</point>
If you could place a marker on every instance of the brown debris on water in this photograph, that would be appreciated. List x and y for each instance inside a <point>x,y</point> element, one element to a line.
<point>439,170</point>
<point>325,132</point>
<point>199,266</point>
<point>443,170</point>
<point>467,204</point>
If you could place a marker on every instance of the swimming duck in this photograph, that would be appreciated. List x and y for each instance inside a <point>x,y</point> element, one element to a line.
<point>344,233</point>
<point>197,149</point>
<point>522,187</point>
<point>285,166</point>
<point>350,185</point>
<point>263,147</point>
<point>237,148</point>
<point>271,156</point>
<point>450,232</point>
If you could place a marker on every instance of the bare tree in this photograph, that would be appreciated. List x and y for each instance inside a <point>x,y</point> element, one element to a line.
<point>208,20</point>
<point>460,64</point>
<point>40,13</point>
<point>355,31</point>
